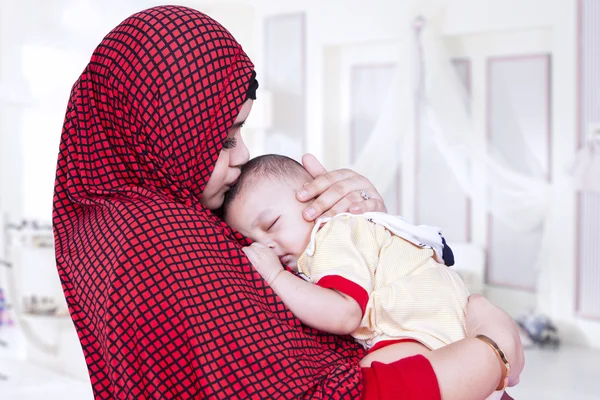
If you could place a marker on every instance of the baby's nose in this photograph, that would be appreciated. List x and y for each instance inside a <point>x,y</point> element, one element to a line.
<point>273,246</point>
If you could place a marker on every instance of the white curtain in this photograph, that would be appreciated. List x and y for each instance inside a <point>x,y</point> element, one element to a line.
<point>523,201</point>
<point>517,199</point>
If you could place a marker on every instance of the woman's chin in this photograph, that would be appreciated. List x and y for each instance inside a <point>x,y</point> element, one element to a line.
<point>214,202</point>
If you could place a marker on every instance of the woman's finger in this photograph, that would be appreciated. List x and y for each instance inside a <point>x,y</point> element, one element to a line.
<point>312,165</point>
<point>341,206</point>
<point>354,203</point>
<point>324,182</point>
<point>346,204</point>
<point>332,202</point>
<point>344,182</point>
<point>336,191</point>
<point>340,197</point>
<point>364,206</point>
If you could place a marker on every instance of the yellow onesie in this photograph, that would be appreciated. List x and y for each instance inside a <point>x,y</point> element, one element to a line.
<point>403,292</point>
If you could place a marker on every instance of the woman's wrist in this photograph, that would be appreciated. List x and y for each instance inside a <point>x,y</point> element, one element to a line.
<point>504,364</point>
<point>491,359</point>
<point>485,318</point>
<point>466,370</point>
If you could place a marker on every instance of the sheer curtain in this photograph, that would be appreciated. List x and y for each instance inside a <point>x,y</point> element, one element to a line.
<point>427,95</point>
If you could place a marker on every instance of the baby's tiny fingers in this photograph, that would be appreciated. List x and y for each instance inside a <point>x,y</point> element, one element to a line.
<point>251,254</point>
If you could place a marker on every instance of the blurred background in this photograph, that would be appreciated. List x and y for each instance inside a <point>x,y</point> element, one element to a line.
<point>478,116</point>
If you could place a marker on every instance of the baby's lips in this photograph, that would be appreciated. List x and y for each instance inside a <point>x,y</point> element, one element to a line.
<point>285,260</point>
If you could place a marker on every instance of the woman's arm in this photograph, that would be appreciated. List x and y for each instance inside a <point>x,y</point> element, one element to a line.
<point>467,369</point>
<point>318,307</point>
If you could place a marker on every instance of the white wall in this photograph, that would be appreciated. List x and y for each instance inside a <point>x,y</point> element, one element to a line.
<point>476,28</point>
<point>472,26</point>
<point>332,23</point>
<point>44,45</point>
<point>469,16</point>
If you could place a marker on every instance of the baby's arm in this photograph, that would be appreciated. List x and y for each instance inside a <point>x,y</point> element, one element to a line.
<point>322,308</point>
<point>318,307</point>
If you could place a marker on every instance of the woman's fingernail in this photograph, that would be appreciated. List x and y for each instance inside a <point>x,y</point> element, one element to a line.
<point>256,244</point>
<point>354,209</point>
<point>305,183</point>
<point>303,194</point>
<point>310,212</point>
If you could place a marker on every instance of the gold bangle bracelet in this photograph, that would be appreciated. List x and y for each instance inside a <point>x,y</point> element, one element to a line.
<point>506,365</point>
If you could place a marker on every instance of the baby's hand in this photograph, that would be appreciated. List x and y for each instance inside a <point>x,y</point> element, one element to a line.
<point>264,260</point>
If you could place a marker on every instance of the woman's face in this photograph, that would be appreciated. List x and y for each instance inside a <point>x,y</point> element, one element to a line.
<point>227,170</point>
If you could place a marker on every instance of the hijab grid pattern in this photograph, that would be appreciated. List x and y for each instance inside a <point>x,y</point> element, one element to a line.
<point>164,301</point>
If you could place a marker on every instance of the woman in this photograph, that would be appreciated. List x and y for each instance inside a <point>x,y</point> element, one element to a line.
<point>165,303</point>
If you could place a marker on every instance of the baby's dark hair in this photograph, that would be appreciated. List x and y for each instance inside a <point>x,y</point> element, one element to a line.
<point>274,166</point>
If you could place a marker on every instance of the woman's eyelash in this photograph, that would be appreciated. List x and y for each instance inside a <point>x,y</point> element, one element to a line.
<point>230,143</point>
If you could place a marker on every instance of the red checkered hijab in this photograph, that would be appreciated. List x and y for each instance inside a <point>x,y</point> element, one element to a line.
<point>165,303</point>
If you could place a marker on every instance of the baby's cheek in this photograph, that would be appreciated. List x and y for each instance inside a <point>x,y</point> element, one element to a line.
<point>302,241</point>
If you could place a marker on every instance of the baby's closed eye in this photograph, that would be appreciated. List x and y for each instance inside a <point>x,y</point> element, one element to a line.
<point>272,224</point>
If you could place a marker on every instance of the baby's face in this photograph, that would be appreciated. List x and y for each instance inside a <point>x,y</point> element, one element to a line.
<point>267,212</point>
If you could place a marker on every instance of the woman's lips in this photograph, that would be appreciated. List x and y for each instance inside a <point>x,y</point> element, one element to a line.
<point>230,185</point>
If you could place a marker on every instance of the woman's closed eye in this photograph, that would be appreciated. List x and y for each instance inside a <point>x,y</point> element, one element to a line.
<point>229,143</point>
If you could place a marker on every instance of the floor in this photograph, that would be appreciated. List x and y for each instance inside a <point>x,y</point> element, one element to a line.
<point>566,374</point>
<point>569,373</point>
<point>23,381</point>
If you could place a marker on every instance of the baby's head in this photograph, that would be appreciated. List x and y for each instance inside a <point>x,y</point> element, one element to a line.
<point>262,206</point>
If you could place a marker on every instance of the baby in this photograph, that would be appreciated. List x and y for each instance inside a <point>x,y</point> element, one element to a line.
<point>373,276</point>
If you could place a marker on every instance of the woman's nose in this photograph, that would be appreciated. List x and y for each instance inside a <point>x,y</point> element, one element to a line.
<point>240,154</point>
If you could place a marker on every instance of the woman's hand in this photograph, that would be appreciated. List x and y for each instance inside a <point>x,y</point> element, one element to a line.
<point>487,319</point>
<point>337,191</point>
<point>264,260</point>
<point>469,369</point>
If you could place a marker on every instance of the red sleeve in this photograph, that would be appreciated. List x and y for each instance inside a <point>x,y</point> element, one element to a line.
<point>411,378</point>
<point>347,287</point>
